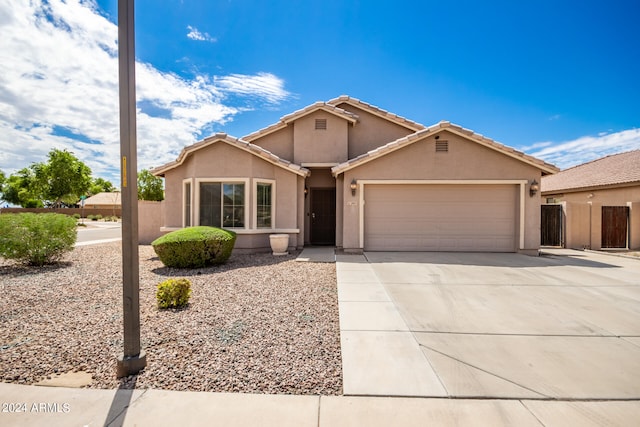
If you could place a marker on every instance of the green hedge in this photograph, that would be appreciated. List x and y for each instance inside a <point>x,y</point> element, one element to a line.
<point>195,247</point>
<point>36,239</point>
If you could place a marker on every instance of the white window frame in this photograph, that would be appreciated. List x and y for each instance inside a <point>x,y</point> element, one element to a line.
<point>225,180</point>
<point>184,202</point>
<point>273,203</point>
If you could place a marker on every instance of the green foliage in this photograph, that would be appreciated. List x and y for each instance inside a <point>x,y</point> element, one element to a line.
<point>149,186</point>
<point>173,293</point>
<point>76,216</point>
<point>100,185</point>
<point>97,217</point>
<point>19,189</point>
<point>63,179</point>
<point>195,247</point>
<point>36,239</point>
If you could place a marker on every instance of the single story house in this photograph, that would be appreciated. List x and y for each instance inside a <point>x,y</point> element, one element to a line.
<point>103,200</point>
<point>595,205</point>
<point>349,174</point>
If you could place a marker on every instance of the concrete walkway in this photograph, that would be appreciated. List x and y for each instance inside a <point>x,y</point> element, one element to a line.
<point>317,254</point>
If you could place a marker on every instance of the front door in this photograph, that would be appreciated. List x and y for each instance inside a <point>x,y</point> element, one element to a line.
<point>323,216</point>
<point>551,225</point>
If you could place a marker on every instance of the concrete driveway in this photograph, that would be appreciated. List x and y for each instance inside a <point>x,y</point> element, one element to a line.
<point>562,326</point>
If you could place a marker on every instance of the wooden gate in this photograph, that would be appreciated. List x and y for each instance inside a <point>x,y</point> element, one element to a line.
<point>615,221</point>
<point>551,225</point>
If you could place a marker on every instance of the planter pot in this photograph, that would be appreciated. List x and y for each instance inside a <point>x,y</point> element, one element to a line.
<point>279,243</point>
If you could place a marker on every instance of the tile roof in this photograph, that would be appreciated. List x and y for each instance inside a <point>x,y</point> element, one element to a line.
<point>236,142</point>
<point>415,126</point>
<point>285,120</point>
<point>432,130</point>
<point>616,169</point>
<point>103,199</point>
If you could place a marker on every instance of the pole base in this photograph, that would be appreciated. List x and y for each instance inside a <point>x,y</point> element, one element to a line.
<point>130,365</point>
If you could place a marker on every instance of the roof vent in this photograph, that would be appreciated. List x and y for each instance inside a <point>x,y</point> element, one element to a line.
<point>442,146</point>
<point>321,124</point>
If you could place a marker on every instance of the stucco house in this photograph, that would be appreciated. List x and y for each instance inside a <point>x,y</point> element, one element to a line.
<point>349,174</point>
<point>103,200</point>
<point>595,205</point>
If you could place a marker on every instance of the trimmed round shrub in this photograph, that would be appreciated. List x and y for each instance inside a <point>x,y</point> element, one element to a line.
<point>195,247</point>
<point>76,216</point>
<point>173,293</point>
<point>36,239</point>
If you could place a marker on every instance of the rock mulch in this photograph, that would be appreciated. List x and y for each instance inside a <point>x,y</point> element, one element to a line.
<point>258,324</point>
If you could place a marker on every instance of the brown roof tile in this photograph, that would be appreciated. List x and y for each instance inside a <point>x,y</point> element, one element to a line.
<point>623,168</point>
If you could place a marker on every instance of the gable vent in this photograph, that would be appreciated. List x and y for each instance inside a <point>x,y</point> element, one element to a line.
<point>321,124</point>
<point>442,146</point>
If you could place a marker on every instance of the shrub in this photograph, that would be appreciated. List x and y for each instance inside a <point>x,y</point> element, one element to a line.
<point>36,239</point>
<point>91,217</point>
<point>76,216</point>
<point>97,217</point>
<point>195,247</point>
<point>173,293</point>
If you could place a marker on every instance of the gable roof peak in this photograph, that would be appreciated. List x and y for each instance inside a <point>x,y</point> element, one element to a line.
<point>377,111</point>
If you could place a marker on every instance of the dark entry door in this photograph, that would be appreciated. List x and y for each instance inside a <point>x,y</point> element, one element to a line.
<point>551,225</point>
<point>614,226</point>
<point>323,216</point>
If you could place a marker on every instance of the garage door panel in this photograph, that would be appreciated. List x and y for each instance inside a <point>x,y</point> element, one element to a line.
<point>440,217</point>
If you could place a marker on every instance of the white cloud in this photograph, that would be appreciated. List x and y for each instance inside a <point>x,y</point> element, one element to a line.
<point>195,34</point>
<point>584,149</point>
<point>59,88</point>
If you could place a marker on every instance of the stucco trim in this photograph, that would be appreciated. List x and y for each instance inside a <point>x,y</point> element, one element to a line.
<point>254,213</point>
<point>319,165</point>
<point>245,231</point>
<point>521,182</point>
<point>234,142</point>
<point>433,130</point>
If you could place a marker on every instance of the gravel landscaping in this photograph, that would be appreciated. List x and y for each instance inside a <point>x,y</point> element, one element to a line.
<point>258,324</point>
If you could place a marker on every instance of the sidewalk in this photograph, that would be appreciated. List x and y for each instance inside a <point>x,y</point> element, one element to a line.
<point>89,407</point>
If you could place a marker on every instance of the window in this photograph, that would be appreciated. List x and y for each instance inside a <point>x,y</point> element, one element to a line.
<point>264,205</point>
<point>321,124</point>
<point>222,204</point>
<point>187,204</point>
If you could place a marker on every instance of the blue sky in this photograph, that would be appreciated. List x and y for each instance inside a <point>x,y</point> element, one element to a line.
<point>556,79</point>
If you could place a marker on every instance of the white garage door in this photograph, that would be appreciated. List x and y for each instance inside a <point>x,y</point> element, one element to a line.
<point>421,217</point>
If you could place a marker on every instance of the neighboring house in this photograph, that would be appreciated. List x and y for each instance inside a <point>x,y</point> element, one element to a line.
<point>595,205</point>
<point>103,201</point>
<point>349,174</point>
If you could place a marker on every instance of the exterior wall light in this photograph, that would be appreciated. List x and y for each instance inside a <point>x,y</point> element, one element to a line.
<point>306,191</point>
<point>533,188</point>
<point>353,186</point>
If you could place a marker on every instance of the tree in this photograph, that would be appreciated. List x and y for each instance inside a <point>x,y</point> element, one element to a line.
<point>63,179</point>
<point>149,186</point>
<point>100,185</point>
<point>3,178</point>
<point>19,189</point>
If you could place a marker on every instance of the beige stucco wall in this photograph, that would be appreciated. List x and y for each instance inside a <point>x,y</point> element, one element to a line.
<point>149,221</point>
<point>279,142</point>
<point>583,213</point>
<point>371,131</point>
<point>312,145</point>
<point>465,160</point>
<point>223,161</point>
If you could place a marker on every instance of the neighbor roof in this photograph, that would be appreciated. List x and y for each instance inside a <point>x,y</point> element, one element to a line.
<point>103,199</point>
<point>545,167</point>
<point>236,142</point>
<point>616,169</point>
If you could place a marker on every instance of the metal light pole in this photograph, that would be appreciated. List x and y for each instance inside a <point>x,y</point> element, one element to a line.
<point>134,358</point>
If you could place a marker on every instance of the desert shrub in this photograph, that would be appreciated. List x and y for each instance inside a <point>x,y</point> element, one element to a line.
<point>195,247</point>
<point>173,293</point>
<point>76,216</point>
<point>90,217</point>
<point>97,217</point>
<point>36,239</point>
